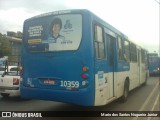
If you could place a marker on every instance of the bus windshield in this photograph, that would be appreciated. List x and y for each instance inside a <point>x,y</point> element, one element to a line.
<point>53,33</point>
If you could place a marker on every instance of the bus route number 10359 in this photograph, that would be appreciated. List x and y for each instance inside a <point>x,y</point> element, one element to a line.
<point>68,84</point>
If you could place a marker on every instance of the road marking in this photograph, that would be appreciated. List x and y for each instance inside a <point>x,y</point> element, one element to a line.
<point>147,100</point>
<point>154,105</point>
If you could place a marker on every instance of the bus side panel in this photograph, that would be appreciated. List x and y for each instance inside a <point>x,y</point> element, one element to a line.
<point>123,71</point>
<point>134,75</point>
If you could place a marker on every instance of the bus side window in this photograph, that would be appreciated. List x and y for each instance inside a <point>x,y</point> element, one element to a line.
<point>99,42</point>
<point>143,56</point>
<point>120,49</point>
<point>110,40</point>
<point>123,49</point>
<point>126,51</point>
<point>133,52</point>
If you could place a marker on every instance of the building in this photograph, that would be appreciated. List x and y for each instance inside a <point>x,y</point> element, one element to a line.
<point>15,40</point>
<point>13,34</point>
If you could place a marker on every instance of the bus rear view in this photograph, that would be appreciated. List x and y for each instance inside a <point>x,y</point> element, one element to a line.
<point>75,57</point>
<point>56,58</point>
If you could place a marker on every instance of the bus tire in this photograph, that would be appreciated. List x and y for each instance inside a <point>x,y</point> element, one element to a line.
<point>5,95</point>
<point>125,92</point>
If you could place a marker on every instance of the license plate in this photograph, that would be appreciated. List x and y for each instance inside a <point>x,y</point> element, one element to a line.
<point>52,82</point>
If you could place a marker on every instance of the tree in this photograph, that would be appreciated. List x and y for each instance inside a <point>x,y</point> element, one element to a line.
<point>5,48</point>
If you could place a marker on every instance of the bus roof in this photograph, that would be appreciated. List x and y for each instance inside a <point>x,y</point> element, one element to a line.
<point>110,27</point>
<point>80,10</point>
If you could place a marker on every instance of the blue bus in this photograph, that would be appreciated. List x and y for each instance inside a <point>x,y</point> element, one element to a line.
<point>75,57</point>
<point>154,64</point>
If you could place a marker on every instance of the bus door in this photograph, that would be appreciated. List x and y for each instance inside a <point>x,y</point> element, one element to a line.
<point>101,85</point>
<point>110,59</point>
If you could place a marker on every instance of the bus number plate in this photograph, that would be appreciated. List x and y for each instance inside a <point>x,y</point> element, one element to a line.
<point>68,84</point>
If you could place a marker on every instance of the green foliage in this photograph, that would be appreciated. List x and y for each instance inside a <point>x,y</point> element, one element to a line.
<point>5,48</point>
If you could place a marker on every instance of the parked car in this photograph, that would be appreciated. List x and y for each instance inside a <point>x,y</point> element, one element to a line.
<point>9,81</point>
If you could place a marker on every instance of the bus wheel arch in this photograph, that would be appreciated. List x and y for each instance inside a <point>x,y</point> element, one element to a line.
<point>125,90</point>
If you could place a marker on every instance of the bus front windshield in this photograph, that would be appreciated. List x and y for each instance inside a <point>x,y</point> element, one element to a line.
<point>53,33</point>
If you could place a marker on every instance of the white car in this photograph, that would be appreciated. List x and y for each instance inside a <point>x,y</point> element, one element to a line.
<point>9,81</point>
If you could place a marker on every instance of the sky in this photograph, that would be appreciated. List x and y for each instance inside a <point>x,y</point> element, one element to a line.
<point>138,19</point>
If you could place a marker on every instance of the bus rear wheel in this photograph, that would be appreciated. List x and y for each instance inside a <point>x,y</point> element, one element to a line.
<point>125,92</point>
